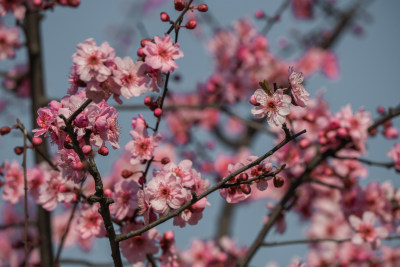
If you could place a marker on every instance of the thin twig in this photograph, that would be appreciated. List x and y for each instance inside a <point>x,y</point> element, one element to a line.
<point>368,162</point>
<point>332,186</point>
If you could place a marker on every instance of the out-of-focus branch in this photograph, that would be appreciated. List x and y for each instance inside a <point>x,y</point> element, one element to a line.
<point>368,162</point>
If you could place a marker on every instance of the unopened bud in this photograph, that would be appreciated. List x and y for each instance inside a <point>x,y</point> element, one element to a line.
<point>158,112</point>
<point>191,24</point>
<point>18,150</point>
<point>126,173</point>
<point>259,14</point>
<point>142,180</point>
<point>246,189</point>
<point>86,149</point>
<point>5,130</point>
<point>37,141</point>
<point>103,151</point>
<point>79,166</point>
<point>179,5</point>
<point>381,110</point>
<point>304,143</point>
<point>278,181</point>
<point>140,53</point>
<point>253,101</point>
<point>243,176</point>
<point>202,8</point>
<point>164,16</point>
<point>144,41</point>
<point>165,160</point>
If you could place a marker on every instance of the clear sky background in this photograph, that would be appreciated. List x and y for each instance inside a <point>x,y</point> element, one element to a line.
<point>369,73</point>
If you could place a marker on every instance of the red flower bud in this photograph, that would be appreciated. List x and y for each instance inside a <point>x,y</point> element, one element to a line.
<point>164,16</point>
<point>165,160</point>
<point>278,181</point>
<point>103,151</point>
<point>140,52</point>
<point>18,150</point>
<point>191,24</point>
<point>37,141</point>
<point>179,5</point>
<point>202,8</point>
<point>158,112</point>
<point>126,173</point>
<point>5,130</point>
<point>86,149</point>
<point>148,101</point>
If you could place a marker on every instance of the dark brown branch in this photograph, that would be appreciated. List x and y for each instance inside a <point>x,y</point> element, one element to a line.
<point>316,240</point>
<point>332,186</point>
<point>391,113</point>
<point>217,186</point>
<point>368,162</point>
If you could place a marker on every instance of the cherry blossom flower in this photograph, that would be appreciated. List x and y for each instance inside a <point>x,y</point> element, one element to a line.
<point>90,223</point>
<point>71,166</point>
<point>202,254</point>
<point>125,199</point>
<point>162,53</point>
<point>275,106</point>
<point>13,189</point>
<point>91,60</point>
<point>166,192</point>
<point>299,93</point>
<point>9,40</point>
<point>136,248</point>
<point>395,155</point>
<point>17,7</point>
<point>131,77</point>
<point>365,230</point>
<point>22,87</point>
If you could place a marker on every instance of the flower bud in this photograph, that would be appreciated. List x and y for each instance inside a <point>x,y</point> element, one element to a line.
<point>148,101</point>
<point>103,151</point>
<point>37,141</point>
<point>86,149</point>
<point>179,5</point>
<point>246,189</point>
<point>79,166</point>
<point>253,101</point>
<point>202,8</point>
<point>278,181</point>
<point>164,16</point>
<point>158,112</point>
<point>140,52</point>
<point>259,14</point>
<point>18,150</point>
<point>5,130</point>
<point>165,160</point>
<point>142,180</point>
<point>243,176</point>
<point>126,173</point>
<point>304,143</point>
<point>191,24</point>
<point>144,41</point>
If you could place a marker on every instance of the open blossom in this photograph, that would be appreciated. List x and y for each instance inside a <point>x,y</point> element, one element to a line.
<point>136,248</point>
<point>142,146</point>
<point>366,232</point>
<point>9,40</point>
<point>17,81</point>
<point>90,223</point>
<point>13,188</point>
<point>275,106</point>
<point>131,77</point>
<point>91,60</point>
<point>395,155</point>
<point>125,199</point>
<point>300,95</point>
<point>166,192</point>
<point>71,166</point>
<point>162,53</point>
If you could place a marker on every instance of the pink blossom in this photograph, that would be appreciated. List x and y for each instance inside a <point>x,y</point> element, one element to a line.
<point>303,9</point>
<point>17,7</point>
<point>13,188</point>
<point>162,53</point>
<point>91,60</point>
<point>142,146</point>
<point>98,91</point>
<point>275,107</point>
<point>22,87</point>
<point>36,179</point>
<point>136,248</point>
<point>330,65</point>
<point>90,223</point>
<point>166,193</point>
<point>234,194</point>
<point>191,215</point>
<point>71,166</point>
<point>131,77</point>
<point>395,155</point>
<point>9,40</point>
<point>125,199</point>
<point>203,254</point>
<point>365,230</point>
<point>299,93</point>
<point>183,171</point>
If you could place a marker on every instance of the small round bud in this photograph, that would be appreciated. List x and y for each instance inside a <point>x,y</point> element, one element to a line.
<point>103,151</point>
<point>342,132</point>
<point>37,141</point>
<point>246,189</point>
<point>5,130</point>
<point>37,2</point>
<point>165,160</point>
<point>79,166</point>
<point>277,17</point>
<point>74,3</point>
<point>232,190</point>
<point>304,143</point>
<point>108,192</point>
<point>381,110</point>
<point>259,14</point>
<point>86,149</point>
<point>18,150</point>
<point>243,176</point>
<point>142,180</point>
<point>179,5</point>
<point>202,8</point>
<point>126,173</point>
<point>148,101</point>
<point>164,16</point>
<point>144,41</point>
<point>158,112</point>
<point>169,235</point>
<point>140,52</point>
<point>62,188</point>
<point>191,24</point>
<point>387,124</point>
<point>278,181</point>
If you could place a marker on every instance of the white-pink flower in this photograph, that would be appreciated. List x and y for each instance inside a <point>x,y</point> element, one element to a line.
<point>166,192</point>
<point>9,40</point>
<point>91,60</point>
<point>136,248</point>
<point>13,188</point>
<point>299,93</point>
<point>275,107</point>
<point>90,223</point>
<point>131,77</point>
<point>162,53</point>
<point>395,155</point>
<point>365,230</point>
<point>125,199</point>
<point>142,146</point>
